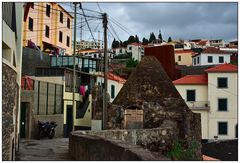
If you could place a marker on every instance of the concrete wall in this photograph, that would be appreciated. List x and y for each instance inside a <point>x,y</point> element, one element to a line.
<point>186,58</point>
<point>93,148</point>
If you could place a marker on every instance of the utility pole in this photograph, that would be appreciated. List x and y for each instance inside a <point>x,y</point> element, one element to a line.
<point>105,21</point>
<point>74,66</point>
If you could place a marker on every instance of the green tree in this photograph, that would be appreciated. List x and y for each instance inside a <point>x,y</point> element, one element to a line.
<point>132,63</point>
<point>169,39</point>
<point>113,43</point>
<point>160,36</point>
<point>144,41</point>
<point>136,39</point>
<point>131,39</point>
<point>152,37</point>
<point>125,43</point>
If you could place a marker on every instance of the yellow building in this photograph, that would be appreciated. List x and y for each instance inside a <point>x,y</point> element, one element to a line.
<point>183,57</point>
<point>49,26</point>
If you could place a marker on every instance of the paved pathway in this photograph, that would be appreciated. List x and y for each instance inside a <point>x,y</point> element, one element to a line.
<point>43,150</point>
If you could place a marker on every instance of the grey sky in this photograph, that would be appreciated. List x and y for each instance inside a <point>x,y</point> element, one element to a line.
<point>178,20</point>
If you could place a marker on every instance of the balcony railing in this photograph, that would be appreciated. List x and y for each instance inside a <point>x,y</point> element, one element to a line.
<point>198,105</point>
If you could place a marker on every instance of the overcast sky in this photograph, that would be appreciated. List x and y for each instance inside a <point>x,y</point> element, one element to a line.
<point>178,20</point>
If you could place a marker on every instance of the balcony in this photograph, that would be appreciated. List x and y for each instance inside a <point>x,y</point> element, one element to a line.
<point>198,105</point>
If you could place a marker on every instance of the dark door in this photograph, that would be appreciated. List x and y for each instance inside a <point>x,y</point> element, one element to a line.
<point>236,135</point>
<point>69,119</point>
<point>23,120</point>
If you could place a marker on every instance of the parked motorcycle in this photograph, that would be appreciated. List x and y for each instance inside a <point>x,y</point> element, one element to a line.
<point>47,129</point>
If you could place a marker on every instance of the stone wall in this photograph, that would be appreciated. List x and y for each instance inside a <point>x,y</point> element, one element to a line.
<point>94,148</point>
<point>158,140</point>
<point>9,106</point>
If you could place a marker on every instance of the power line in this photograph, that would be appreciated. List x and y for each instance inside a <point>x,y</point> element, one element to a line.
<point>110,25</point>
<point>99,7</point>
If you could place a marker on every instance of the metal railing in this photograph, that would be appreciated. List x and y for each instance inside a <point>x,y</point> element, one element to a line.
<point>198,105</point>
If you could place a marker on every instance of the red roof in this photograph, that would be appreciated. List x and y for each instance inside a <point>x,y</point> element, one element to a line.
<point>202,42</point>
<point>136,44</point>
<point>192,79</point>
<point>183,51</point>
<point>223,68</point>
<point>213,50</point>
<point>114,77</point>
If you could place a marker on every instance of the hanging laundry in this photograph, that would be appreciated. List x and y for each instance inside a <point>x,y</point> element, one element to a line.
<point>82,90</point>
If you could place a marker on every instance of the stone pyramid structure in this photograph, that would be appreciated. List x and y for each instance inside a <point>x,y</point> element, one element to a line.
<point>149,88</point>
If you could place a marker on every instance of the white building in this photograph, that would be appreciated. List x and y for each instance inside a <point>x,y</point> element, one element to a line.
<point>217,43</point>
<point>214,96</point>
<point>81,45</point>
<point>211,56</point>
<point>115,83</point>
<point>121,50</point>
<point>136,49</point>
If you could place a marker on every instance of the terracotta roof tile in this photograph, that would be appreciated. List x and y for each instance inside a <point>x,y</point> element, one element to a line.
<point>192,79</point>
<point>183,51</point>
<point>223,68</point>
<point>213,50</point>
<point>114,77</point>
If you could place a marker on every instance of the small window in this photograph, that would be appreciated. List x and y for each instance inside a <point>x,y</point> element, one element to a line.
<point>60,36</point>
<point>112,91</point>
<point>222,83</point>
<point>48,10</point>
<point>179,58</point>
<point>61,16</point>
<point>130,48</point>
<point>30,24</point>
<point>221,59</point>
<point>222,128</point>
<point>120,51</point>
<point>194,61</point>
<point>47,31</point>
<point>68,23</point>
<point>191,95</point>
<point>210,59</point>
<point>222,104</point>
<point>198,60</point>
<point>68,41</point>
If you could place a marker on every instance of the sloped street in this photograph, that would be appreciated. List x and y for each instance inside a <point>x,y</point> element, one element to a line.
<point>43,150</point>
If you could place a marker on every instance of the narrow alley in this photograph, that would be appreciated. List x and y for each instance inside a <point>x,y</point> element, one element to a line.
<point>43,150</point>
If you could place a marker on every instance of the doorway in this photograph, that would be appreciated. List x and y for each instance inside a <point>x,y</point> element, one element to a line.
<point>69,120</point>
<point>23,120</point>
<point>236,130</point>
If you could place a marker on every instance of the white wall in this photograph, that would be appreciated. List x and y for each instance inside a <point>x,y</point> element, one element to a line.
<point>201,96</point>
<point>204,59</point>
<point>230,93</point>
<point>117,85</point>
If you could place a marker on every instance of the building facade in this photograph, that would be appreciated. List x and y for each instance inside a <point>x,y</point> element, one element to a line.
<point>214,95</point>
<point>115,83</point>
<point>12,16</point>
<point>217,43</point>
<point>136,50</point>
<point>211,56</point>
<point>49,26</point>
<point>83,45</point>
<point>183,57</point>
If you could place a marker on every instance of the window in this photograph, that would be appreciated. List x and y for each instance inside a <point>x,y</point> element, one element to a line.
<point>222,104</point>
<point>194,61</point>
<point>222,128</point>
<point>198,60</point>
<point>210,59</point>
<point>222,82</point>
<point>112,91</point>
<point>47,31</point>
<point>179,58</point>
<point>30,24</point>
<point>68,41</point>
<point>61,16</point>
<point>221,59</point>
<point>130,48</point>
<point>120,51</point>
<point>60,36</point>
<point>191,95</point>
<point>68,22</point>
<point>48,10</point>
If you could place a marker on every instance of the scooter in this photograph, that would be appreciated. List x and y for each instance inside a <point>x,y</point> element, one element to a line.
<point>47,129</point>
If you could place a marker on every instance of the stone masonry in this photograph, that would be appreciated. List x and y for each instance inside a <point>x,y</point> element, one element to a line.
<point>9,106</point>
